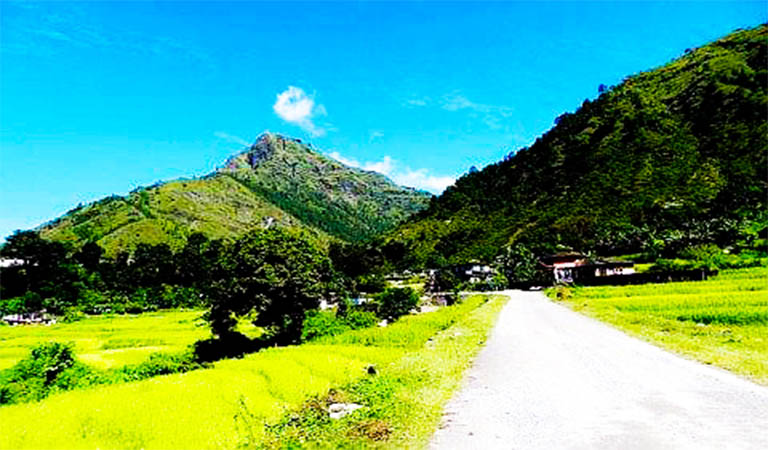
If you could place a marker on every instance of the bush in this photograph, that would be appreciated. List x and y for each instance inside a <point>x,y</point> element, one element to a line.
<point>50,367</point>
<point>179,297</point>
<point>371,283</point>
<point>322,323</point>
<point>162,364</point>
<point>14,305</point>
<point>357,319</point>
<point>329,323</point>
<point>395,302</point>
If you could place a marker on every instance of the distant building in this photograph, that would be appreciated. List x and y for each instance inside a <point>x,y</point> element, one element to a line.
<point>10,262</point>
<point>29,318</point>
<point>473,272</point>
<point>577,268</point>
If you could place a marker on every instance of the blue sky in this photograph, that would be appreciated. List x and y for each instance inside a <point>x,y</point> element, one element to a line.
<point>100,98</point>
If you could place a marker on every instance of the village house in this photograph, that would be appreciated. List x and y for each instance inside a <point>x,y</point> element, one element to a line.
<point>38,317</point>
<point>473,272</point>
<point>577,268</point>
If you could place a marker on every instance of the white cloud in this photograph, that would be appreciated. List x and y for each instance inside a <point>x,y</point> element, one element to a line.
<point>492,115</point>
<point>294,106</point>
<point>385,166</point>
<point>417,102</point>
<point>420,178</point>
<point>232,138</point>
<point>405,176</point>
<point>375,135</point>
<point>349,162</point>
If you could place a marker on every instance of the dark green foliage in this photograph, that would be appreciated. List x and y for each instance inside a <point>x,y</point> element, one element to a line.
<point>358,319</point>
<point>330,323</point>
<point>669,159</point>
<point>46,278</point>
<point>322,323</point>
<point>60,280</point>
<point>160,364</point>
<point>50,367</point>
<point>518,264</point>
<point>277,275</point>
<point>395,302</point>
<point>711,258</point>
<point>229,345</point>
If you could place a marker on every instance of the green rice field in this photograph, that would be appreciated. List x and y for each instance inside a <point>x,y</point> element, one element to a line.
<point>722,321</point>
<point>108,341</point>
<point>228,405</point>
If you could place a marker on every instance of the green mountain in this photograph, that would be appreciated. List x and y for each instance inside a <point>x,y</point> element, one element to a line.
<point>277,181</point>
<point>669,158</point>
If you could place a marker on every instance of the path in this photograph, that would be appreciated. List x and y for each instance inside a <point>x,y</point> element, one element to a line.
<point>550,378</point>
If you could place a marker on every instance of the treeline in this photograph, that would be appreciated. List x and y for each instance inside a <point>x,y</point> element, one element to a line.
<point>275,276</point>
<point>60,279</point>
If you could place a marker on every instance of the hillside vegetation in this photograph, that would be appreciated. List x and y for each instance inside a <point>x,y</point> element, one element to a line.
<point>668,159</point>
<point>278,181</point>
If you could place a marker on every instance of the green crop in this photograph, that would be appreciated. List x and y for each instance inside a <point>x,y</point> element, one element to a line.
<point>722,321</point>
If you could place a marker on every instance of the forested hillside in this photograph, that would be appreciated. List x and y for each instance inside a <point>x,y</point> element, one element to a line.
<point>668,159</point>
<point>278,181</point>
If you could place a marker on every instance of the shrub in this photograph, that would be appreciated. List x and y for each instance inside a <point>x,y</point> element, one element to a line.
<point>14,305</point>
<point>329,323</point>
<point>49,367</point>
<point>395,302</point>
<point>162,364</point>
<point>357,319</point>
<point>322,323</point>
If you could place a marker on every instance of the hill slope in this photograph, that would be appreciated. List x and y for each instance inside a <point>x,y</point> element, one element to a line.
<point>670,157</point>
<point>277,181</point>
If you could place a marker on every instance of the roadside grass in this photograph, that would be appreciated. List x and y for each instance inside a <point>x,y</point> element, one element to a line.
<point>402,403</point>
<point>721,321</point>
<point>108,341</point>
<point>229,405</point>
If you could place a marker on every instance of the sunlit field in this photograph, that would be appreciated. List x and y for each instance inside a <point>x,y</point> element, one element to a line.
<point>721,321</point>
<point>108,341</point>
<point>226,406</point>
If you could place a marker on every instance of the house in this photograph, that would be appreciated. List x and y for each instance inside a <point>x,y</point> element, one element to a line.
<point>29,318</point>
<point>473,272</point>
<point>10,262</point>
<point>577,268</point>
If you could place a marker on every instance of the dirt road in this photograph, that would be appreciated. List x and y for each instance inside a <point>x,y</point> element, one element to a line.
<point>550,378</point>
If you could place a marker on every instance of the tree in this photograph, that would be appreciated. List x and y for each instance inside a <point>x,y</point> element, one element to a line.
<point>153,265</point>
<point>519,264</point>
<point>89,256</point>
<point>273,273</point>
<point>396,302</point>
<point>196,261</point>
<point>45,267</point>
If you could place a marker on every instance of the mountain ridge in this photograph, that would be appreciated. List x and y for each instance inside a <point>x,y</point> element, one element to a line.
<point>272,182</point>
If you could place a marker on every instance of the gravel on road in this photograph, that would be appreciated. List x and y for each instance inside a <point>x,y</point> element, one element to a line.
<point>551,378</point>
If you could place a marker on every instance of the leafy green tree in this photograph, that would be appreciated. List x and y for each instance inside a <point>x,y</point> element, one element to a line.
<point>394,303</point>
<point>519,264</point>
<point>46,269</point>
<point>153,265</point>
<point>89,256</point>
<point>275,274</point>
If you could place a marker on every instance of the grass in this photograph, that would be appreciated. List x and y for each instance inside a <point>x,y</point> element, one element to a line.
<point>108,341</point>
<point>231,404</point>
<point>722,321</point>
<point>403,403</point>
